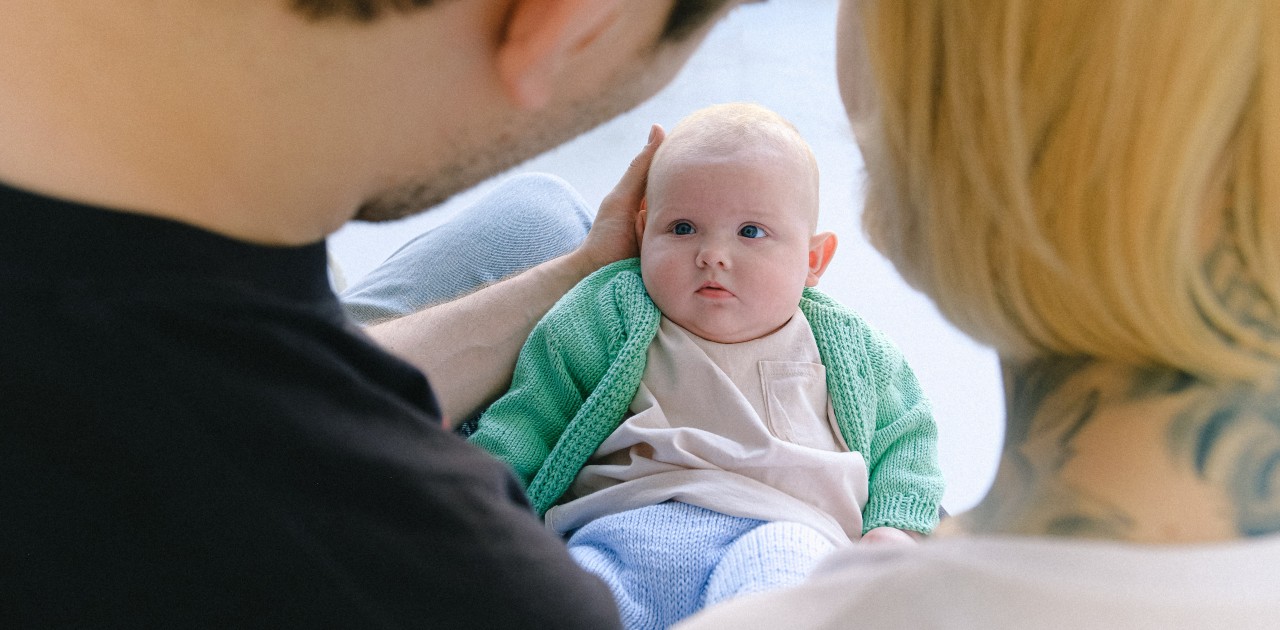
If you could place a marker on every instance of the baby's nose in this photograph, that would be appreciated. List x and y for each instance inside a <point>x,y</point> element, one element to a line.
<point>711,254</point>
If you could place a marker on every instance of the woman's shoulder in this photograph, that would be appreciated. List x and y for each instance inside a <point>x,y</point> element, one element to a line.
<point>1008,582</point>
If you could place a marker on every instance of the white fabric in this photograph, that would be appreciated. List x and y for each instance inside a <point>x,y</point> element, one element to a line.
<point>744,429</point>
<point>1024,583</point>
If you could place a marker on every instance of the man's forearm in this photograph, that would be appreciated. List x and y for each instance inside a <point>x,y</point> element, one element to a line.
<point>468,347</point>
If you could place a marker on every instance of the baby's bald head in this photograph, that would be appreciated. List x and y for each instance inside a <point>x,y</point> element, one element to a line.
<point>733,131</point>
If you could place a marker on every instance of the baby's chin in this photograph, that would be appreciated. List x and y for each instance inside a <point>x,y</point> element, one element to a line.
<point>731,336</point>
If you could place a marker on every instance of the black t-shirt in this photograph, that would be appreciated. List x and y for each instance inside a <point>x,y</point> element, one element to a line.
<point>194,434</point>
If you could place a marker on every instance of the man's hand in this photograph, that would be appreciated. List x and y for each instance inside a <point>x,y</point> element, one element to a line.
<point>469,346</point>
<point>613,233</point>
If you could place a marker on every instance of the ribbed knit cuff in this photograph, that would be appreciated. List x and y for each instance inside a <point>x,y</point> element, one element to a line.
<point>903,511</point>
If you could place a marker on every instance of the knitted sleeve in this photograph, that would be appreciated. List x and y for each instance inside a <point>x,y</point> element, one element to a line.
<point>906,483</point>
<point>558,367</point>
<point>521,427</point>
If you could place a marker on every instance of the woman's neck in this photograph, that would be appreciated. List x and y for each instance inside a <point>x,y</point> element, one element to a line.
<point>1114,452</point>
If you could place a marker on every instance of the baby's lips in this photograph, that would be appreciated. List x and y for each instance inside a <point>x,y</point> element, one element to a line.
<point>712,288</point>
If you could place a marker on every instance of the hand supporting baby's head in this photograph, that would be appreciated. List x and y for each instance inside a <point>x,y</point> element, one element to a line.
<point>727,240</point>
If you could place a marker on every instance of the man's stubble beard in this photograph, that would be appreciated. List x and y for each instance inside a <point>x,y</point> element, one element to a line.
<point>518,142</point>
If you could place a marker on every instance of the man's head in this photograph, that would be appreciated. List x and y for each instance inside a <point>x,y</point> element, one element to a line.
<point>1078,178</point>
<point>274,121</point>
<point>566,65</point>
<point>727,240</point>
<point>684,19</point>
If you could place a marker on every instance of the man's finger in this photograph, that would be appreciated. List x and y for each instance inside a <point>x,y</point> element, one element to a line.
<point>633,181</point>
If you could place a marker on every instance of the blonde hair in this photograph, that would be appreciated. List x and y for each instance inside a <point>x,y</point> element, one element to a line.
<point>728,127</point>
<point>1082,178</point>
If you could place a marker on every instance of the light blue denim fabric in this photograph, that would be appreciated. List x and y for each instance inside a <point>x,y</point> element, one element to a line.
<point>528,219</point>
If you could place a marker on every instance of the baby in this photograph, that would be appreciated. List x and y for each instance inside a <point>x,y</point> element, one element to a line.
<point>701,422</point>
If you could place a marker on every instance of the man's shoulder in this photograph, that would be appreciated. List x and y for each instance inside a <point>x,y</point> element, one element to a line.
<point>307,470</point>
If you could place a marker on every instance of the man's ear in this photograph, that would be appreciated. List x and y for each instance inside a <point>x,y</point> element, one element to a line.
<point>641,217</point>
<point>539,36</point>
<point>822,247</point>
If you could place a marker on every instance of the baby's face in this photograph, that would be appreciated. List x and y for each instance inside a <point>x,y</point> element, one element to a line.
<point>725,249</point>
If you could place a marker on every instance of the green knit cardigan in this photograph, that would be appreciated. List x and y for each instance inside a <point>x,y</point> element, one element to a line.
<point>580,369</point>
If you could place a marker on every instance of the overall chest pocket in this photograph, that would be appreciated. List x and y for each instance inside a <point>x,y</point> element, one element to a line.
<point>795,403</point>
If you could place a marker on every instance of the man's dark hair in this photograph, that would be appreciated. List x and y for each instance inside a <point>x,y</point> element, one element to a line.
<point>686,16</point>
<point>358,10</point>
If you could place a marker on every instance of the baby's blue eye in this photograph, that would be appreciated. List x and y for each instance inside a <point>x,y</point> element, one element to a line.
<point>751,231</point>
<point>682,228</point>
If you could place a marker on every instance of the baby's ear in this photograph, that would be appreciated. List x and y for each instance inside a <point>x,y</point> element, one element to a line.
<point>822,247</point>
<point>641,217</point>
